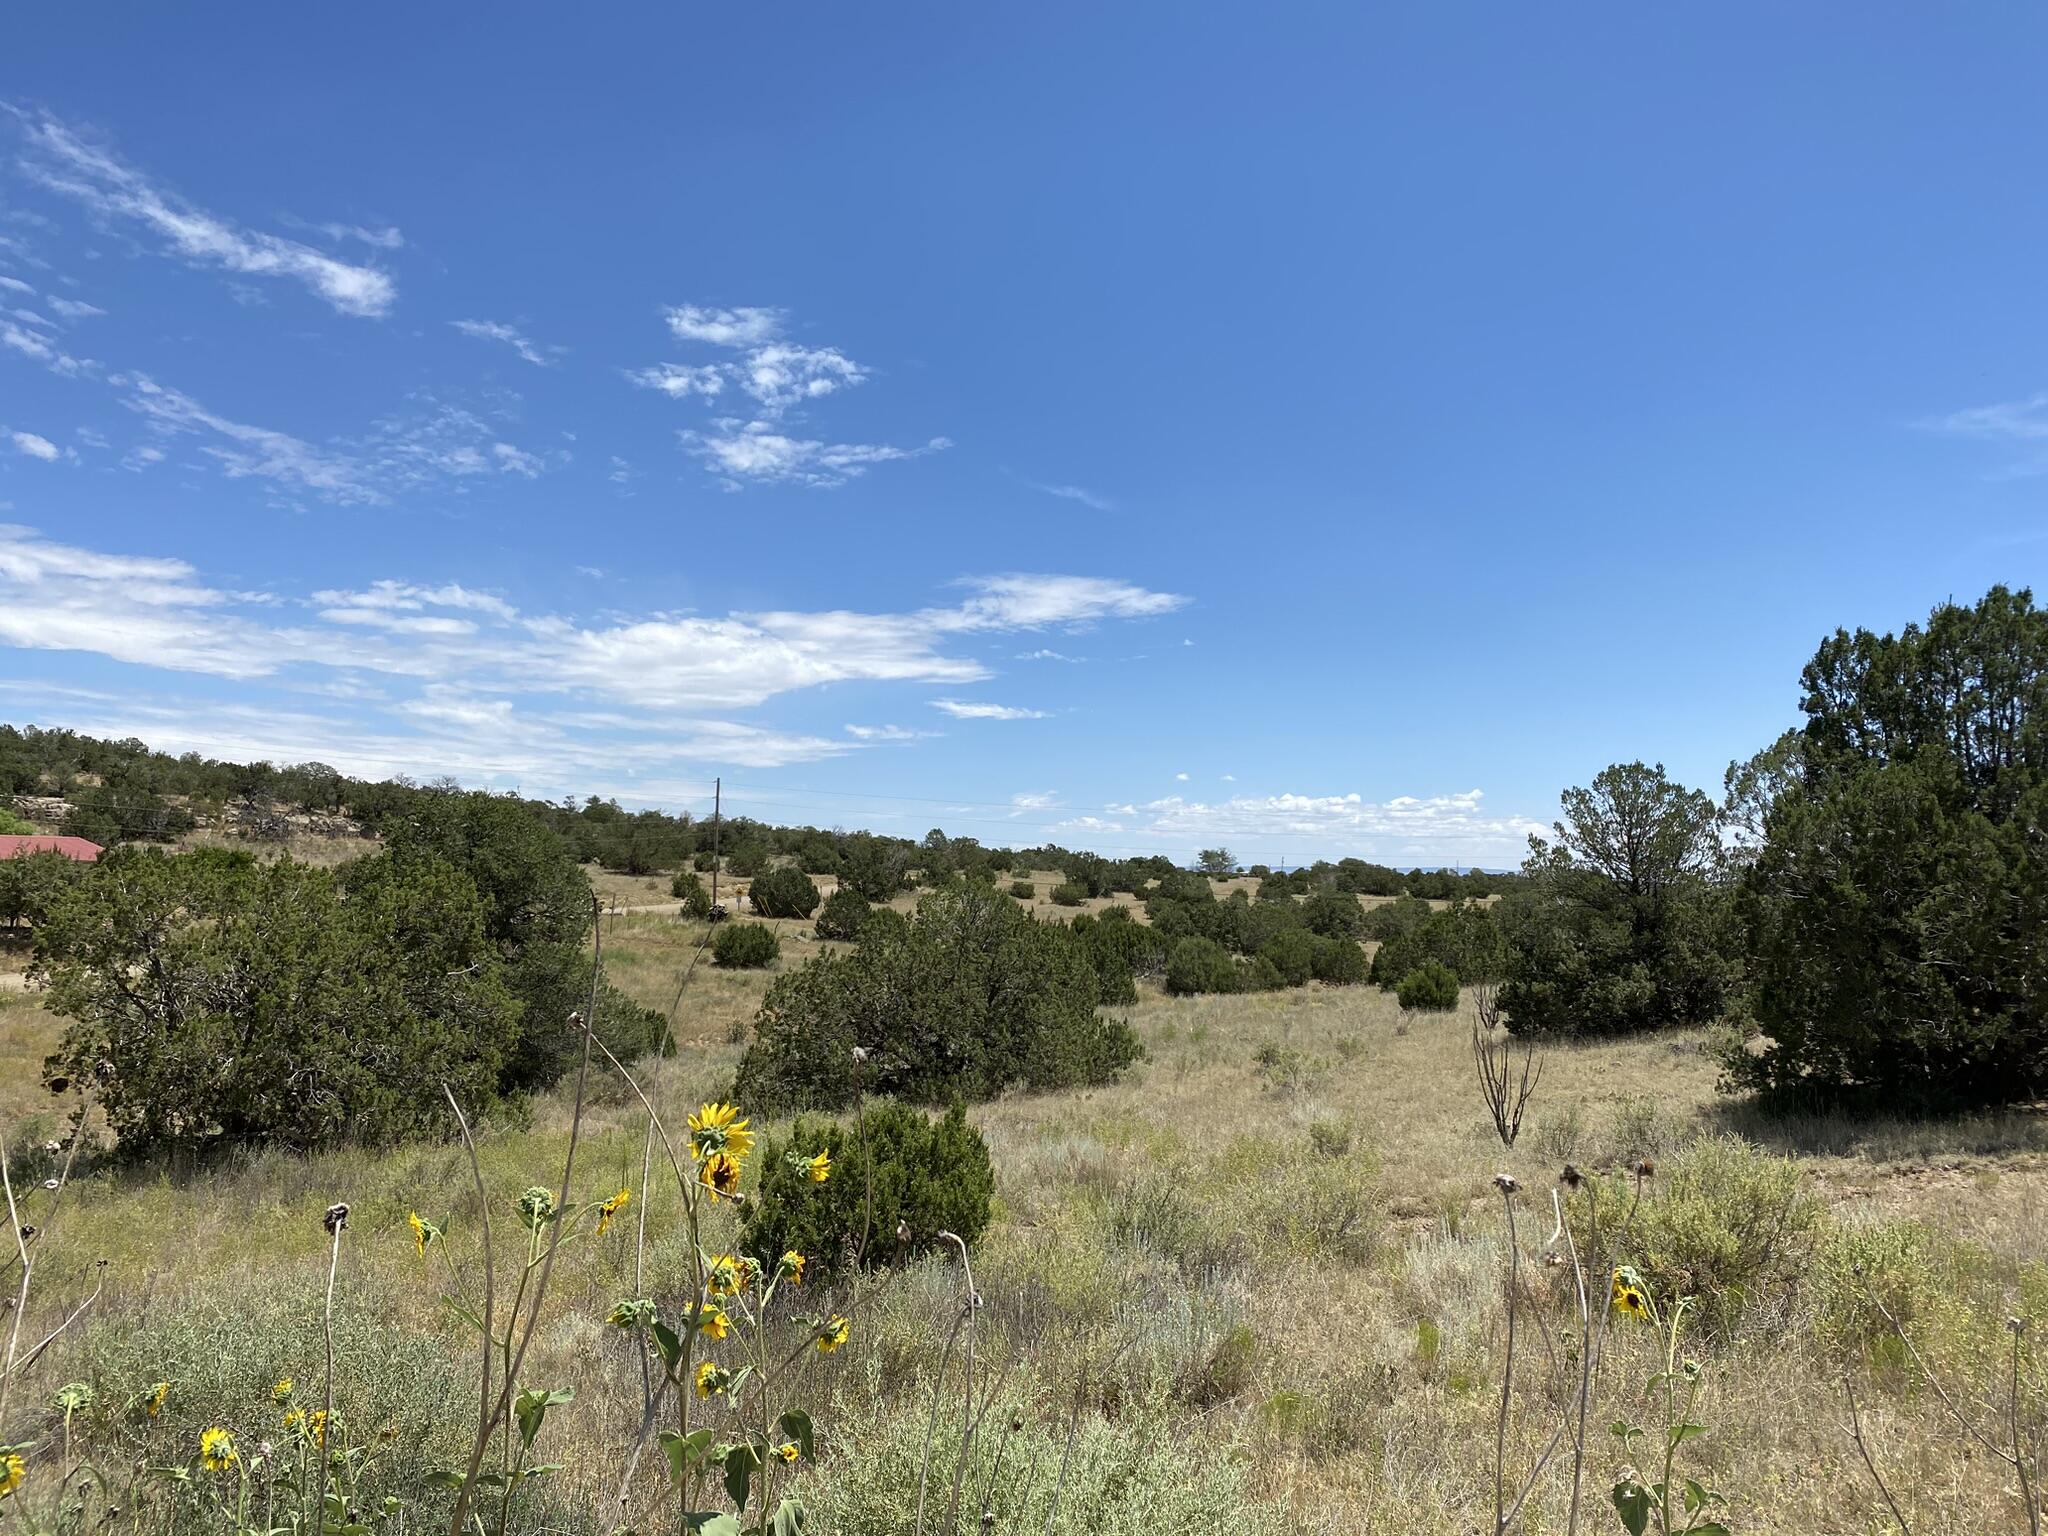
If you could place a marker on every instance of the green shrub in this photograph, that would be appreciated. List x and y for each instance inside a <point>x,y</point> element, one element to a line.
<point>749,859</point>
<point>1292,953</point>
<point>1069,893</point>
<point>930,1176</point>
<point>1463,938</point>
<point>1390,920</point>
<point>1340,962</point>
<point>745,946</point>
<point>1333,915</point>
<point>1023,890</point>
<point>970,997</point>
<point>843,916</point>
<point>1429,988</point>
<point>784,892</point>
<point>691,892</point>
<point>1258,974</point>
<point>1200,965</point>
<point>1728,1224</point>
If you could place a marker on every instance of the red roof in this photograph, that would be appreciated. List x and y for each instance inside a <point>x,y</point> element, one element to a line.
<point>71,847</point>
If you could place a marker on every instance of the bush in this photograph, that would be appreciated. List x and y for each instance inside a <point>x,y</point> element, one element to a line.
<point>691,892</point>
<point>843,916</point>
<point>745,946</point>
<point>1725,1223</point>
<point>783,893</point>
<point>1463,938</point>
<point>931,1176</point>
<point>1200,965</point>
<point>1392,919</point>
<point>1340,962</point>
<point>968,998</point>
<point>1333,915</point>
<point>1023,890</point>
<point>1292,953</point>
<point>1429,988</point>
<point>1069,893</point>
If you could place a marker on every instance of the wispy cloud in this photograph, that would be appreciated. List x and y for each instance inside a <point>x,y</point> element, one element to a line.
<point>888,733</point>
<point>40,348</point>
<point>497,330</point>
<point>679,381</point>
<point>745,327</point>
<point>15,285</point>
<point>756,451</point>
<point>388,238</point>
<point>966,709</point>
<point>1079,493</point>
<point>73,309</point>
<point>33,446</point>
<point>62,160</point>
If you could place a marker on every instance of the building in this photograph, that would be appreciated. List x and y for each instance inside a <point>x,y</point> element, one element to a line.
<point>76,848</point>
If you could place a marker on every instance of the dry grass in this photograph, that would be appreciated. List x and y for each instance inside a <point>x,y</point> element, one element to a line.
<point>1278,1230</point>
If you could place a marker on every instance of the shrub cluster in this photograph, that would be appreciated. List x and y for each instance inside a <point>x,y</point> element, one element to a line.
<point>1432,987</point>
<point>968,998</point>
<point>1463,939</point>
<point>843,916</point>
<point>784,892</point>
<point>1245,945</point>
<point>745,946</point>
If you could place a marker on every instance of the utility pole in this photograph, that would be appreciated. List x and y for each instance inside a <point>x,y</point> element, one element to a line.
<point>717,798</point>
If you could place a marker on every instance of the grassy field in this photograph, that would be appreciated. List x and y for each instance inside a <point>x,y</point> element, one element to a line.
<point>1273,1254</point>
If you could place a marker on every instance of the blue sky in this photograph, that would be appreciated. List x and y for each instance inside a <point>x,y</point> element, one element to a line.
<point>1321,430</point>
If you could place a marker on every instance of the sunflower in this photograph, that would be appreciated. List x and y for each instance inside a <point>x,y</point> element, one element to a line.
<point>710,1379</point>
<point>424,1232</point>
<point>818,1169</point>
<point>1629,1295</point>
<point>723,1278</point>
<point>316,1426</point>
<point>720,1175</point>
<point>607,1209</point>
<point>217,1450</point>
<point>537,1207</point>
<point>153,1399</point>
<point>712,1322</point>
<point>12,1470</point>
<point>295,1418</point>
<point>719,1128</point>
<point>788,1450</point>
<point>793,1266</point>
<point>282,1392</point>
<point>832,1333</point>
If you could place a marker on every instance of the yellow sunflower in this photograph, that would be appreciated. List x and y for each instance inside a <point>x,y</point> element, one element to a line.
<point>719,1128</point>
<point>818,1169</point>
<point>793,1266</point>
<point>720,1175</point>
<point>710,1379</point>
<point>153,1399</point>
<point>12,1470</point>
<point>1629,1294</point>
<point>607,1209</point>
<point>832,1333</point>
<point>723,1275</point>
<point>217,1450</point>
<point>788,1450</point>
<point>282,1392</point>
<point>712,1321</point>
<point>423,1231</point>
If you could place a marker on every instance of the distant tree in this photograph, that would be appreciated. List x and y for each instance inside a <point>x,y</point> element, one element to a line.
<point>843,916</point>
<point>1895,903</point>
<point>1292,952</point>
<point>1334,914</point>
<point>1217,863</point>
<point>1463,938</point>
<point>12,825</point>
<point>30,883</point>
<point>1200,965</point>
<point>688,887</point>
<point>745,946</point>
<point>783,892</point>
<point>1624,921</point>
<point>1070,893</point>
<point>1430,988</point>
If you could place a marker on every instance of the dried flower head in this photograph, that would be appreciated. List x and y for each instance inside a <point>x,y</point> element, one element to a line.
<point>1505,1183</point>
<point>1646,1168</point>
<point>2015,1326</point>
<point>335,1219</point>
<point>1571,1178</point>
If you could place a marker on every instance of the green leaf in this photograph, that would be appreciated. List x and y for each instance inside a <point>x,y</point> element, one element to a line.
<point>544,1470</point>
<point>796,1425</point>
<point>789,1518</point>
<point>1680,1433</point>
<point>711,1523</point>
<point>1428,1340</point>
<point>670,1346</point>
<point>741,1462</point>
<point>685,1451</point>
<point>463,1312</point>
<point>1696,1496</point>
<point>532,1407</point>
<point>1632,1503</point>
<point>1623,1431</point>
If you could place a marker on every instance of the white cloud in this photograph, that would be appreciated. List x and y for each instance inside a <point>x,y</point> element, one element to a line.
<point>30,317</point>
<point>888,733</point>
<point>1079,493</point>
<point>246,450</point>
<point>142,458</point>
<point>41,349</point>
<point>65,162</point>
<point>781,376</point>
<point>388,238</point>
<point>1230,778</point>
<point>15,285</point>
<point>1035,800</point>
<point>1182,777</point>
<point>1024,601</point>
<point>73,309</point>
<point>1088,825</point>
<point>745,327</point>
<point>1453,827</point>
<point>679,381</point>
<point>963,709</point>
<point>1045,655</point>
<point>497,330</point>
<point>756,451</point>
<point>32,445</point>
<point>2023,421</point>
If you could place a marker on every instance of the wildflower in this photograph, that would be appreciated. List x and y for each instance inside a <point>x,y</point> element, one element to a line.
<point>711,1321</point>
<point>295,1418</point>
<point>724,1275</point>
<point>1505,1183</point>
<point>282,1392</point>
<point>788,1450</point>
<point>73,1395</point>
<point>832,1333</point>
<point>793,1266</point>
<point>217,1449</point>
<point>634,1313</point>
<point>749,1271</point>
<point>719,1128</point>
<point>2015,1326</point>
<point>710,1379</point>
<point>335,1219</point>
<point>316,1426</point>
<point>607,1209</point>
<point>1629,1295</point>
<point>153,1399</point>
<point>12,1470</point>
<point>424,1232</point>
<point>537,1207</point>
<point>720,1175</point>
<point>818,1169</point>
